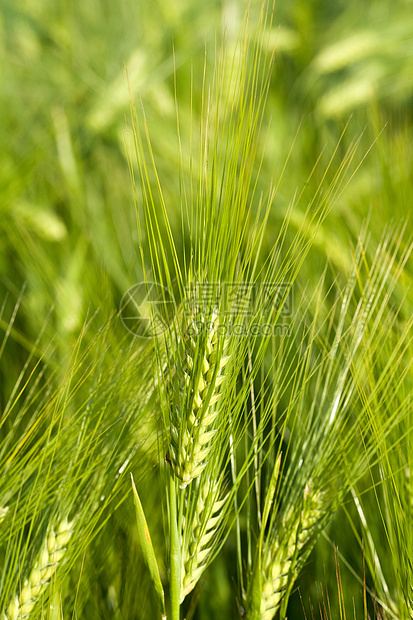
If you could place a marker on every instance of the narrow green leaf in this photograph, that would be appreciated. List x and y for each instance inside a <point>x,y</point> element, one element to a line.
<point>270,496</point>
<point>147,548</point>
<point>175,558</point>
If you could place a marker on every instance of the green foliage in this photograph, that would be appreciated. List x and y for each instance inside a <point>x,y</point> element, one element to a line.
<point>271,442</point>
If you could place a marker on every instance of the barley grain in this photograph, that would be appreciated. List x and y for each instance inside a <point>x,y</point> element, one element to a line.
<point>198,534</point>
<point>281,555</point>
<point>35,586</point>
<point>196,411</point>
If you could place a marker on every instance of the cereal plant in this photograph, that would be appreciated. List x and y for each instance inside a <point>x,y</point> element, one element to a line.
<point>243,448</point>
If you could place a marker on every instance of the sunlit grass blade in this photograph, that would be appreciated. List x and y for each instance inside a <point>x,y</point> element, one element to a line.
<point>147,548</point>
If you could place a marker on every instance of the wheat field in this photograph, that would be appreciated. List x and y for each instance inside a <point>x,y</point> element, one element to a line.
<point>206,310</point>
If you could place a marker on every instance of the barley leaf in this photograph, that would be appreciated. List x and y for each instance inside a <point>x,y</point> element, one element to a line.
<point>175,581</point>
<point>147,548</point>
<point>270,497</point>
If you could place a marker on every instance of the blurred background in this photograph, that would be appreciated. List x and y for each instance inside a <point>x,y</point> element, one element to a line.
<point>68,238</point>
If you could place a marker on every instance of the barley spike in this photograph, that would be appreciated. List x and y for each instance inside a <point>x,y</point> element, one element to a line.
<point>3,513</point>
<point>51,554</point>
<point>198,534</point>
<point>278,565</point>
<point>195,411</point>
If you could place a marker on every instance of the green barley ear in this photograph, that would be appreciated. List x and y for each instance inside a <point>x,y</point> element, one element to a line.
<point>282,554</point>
<point>254,596</point>
<point>200,530</point>
<point>3,513</point>
<point>35,586</point>
<point>196,408</point>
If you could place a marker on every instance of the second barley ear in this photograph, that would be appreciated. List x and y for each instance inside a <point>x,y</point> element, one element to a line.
<point>196,411</point>
<point>50,556</point>
<point>281,556</point>
<point>3,513</point>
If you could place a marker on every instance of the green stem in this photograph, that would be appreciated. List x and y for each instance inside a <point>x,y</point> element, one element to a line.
<point>175,559</point>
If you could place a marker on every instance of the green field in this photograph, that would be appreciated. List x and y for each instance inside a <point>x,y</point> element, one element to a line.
<point>206,283</point>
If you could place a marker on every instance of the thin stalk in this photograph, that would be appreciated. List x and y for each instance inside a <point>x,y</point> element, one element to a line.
<point>175,559</point>
<point>257,473</point>
<point>238,526</point>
